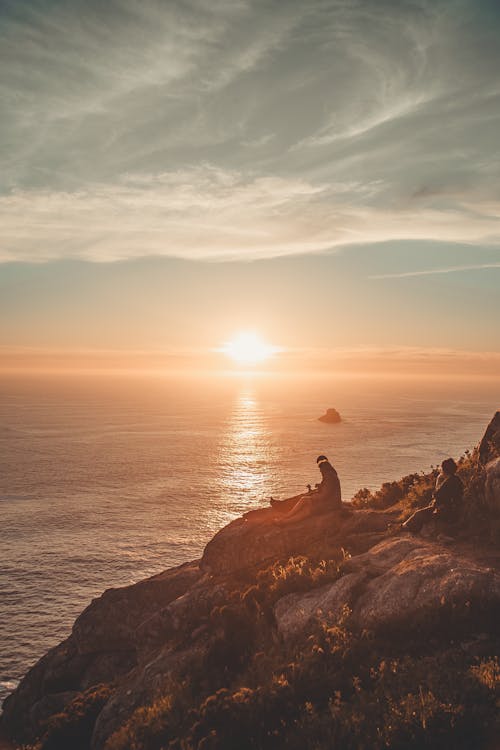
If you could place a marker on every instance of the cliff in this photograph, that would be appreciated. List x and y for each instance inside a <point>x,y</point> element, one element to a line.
<point>338,630</point>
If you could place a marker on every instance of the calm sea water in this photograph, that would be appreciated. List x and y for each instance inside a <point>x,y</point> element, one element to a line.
<point>105,481</point>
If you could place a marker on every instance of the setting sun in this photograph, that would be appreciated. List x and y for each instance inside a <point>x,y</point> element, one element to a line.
<point>247,348</point>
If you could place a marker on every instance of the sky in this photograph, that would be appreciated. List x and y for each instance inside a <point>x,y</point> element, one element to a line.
<point>325,172</point>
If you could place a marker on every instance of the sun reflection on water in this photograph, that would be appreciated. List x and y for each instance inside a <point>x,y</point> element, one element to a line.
<point>246,455</point>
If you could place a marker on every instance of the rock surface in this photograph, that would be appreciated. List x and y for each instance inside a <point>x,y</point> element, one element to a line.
<point>489,447</point>
<point>395,584</point>
<point>101,648</point>
<point>492,485</point>
<point>253,543</point>
<point>331,416</point>
<point>136,638</point>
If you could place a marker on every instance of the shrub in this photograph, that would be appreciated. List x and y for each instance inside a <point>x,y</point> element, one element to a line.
<point>335,689</point>
<point>72,728</point>
<point>389,494</point>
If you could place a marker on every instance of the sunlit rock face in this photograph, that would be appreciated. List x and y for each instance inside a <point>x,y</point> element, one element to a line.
<point>134,637</point>
<point>132,640</point>
<point>296,612</point>
<point>489,456</point>
<point>395,584</point>
<point>492,485</point>
<point>489,447</point>
<point>253,543</point>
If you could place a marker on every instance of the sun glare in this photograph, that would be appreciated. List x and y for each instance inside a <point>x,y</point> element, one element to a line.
<point>248,349</point>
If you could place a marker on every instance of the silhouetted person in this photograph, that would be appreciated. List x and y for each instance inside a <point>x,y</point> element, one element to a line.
<point>326,497</point>
<point>447,501</point>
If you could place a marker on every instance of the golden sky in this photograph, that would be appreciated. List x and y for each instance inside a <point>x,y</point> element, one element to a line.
<point>324,173</point>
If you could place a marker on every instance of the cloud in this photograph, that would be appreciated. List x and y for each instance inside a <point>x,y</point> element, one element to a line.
<point>241,129</point>
<point>433,271</point>
<point>198,213</point>
<point>208,213</point>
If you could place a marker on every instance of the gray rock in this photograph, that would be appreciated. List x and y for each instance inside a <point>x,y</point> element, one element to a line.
<point>394,584</point>
<point>141,687</point>
<point>247,545</point>
<point>424,579</point>
<point>295,612</point>
<point>492,485</point>
<point>489,447</point>
<point>109,623</point>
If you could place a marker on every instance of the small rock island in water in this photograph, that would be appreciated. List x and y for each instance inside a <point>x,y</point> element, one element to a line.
<point>331,416</point>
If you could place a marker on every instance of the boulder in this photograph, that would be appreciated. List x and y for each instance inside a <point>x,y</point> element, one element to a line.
<point>253,543</point>
<point>492,485</point>
<point>489,447</point>
<point>141,687</point>
<point>295,612</point>
<point>331,416</point>
<point>110,621</point>
<point>418,581</point>
<point>396,584</point>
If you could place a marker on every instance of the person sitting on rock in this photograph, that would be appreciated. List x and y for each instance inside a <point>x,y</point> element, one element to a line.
<point>326,497</point>
<point>446,503</point>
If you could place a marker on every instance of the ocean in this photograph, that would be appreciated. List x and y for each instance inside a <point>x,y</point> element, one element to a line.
<point>105,480</point>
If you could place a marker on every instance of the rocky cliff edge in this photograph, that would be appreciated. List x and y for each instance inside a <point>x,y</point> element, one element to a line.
<point>263,587</point>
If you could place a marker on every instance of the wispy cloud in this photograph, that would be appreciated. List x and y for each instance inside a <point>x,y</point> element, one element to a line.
<point>433,271</point>
<point>240,129</point>
<point>209,213</point>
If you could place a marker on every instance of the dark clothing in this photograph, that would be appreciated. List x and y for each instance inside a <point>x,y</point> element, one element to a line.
<point>446,505</point>
<point>329,494</point>
<point>448,499</point>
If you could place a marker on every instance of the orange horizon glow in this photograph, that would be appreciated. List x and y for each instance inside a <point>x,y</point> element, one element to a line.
<point>357,361</point>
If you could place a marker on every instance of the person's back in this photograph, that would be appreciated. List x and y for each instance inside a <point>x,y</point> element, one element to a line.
<point>448,497</point>
<point>446,505</point>
<point>329,489</point>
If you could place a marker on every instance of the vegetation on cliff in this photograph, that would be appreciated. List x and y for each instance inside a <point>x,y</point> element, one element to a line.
<point>354,636</point>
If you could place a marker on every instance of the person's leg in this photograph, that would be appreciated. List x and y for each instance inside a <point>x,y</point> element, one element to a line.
<point>278,507</point>
<point>285,506</point>
<point>415,522</point>
<point>302,509</point>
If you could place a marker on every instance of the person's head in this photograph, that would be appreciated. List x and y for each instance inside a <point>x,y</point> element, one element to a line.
<point>321,459</point>
<point>449,467</point>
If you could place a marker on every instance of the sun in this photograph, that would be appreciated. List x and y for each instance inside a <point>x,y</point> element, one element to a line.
<point>247,348</point>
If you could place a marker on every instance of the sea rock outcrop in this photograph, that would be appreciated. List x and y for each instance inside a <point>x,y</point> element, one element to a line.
<point>331,416</point>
